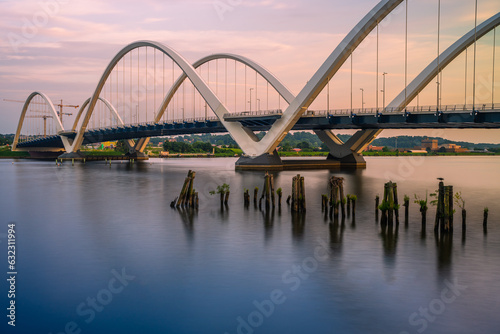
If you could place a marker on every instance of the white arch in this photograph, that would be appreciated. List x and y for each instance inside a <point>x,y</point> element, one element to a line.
<point>319,80</point>
<point>52,110</point>
<point>431,71</point>
<point>129,142</point>
<point>239,134</point>
<point>261,70</point>
<point>106,102</point>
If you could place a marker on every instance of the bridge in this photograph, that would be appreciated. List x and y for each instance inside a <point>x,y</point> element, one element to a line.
<point>148,89</point>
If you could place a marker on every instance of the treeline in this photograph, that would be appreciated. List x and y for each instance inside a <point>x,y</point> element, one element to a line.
<point>197,147</point>
<point>6,139</point>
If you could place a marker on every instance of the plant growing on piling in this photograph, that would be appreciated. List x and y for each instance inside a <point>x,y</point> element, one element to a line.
<point>459,200</point>
<point>422,202</point>
<point>222,190</point>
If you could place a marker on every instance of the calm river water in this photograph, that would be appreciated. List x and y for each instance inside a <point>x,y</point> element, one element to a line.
<point>99,250</point>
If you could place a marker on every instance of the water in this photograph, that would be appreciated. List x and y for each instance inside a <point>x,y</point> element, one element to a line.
<point>238,270</point>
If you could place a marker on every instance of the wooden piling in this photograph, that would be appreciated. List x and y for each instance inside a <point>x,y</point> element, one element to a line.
<point>298,194</point>
<point>342,198</point>
<point>396,202</point>
<point>271,181</point>
<point>255,194</point>
<point>464,218</point>
<point>354,198</point>
<point>407,206</point>
<point>279,191</point>
<point>485,220</point>
<point>377,204</point>
<point>390,200</point>
<point>226,199</point>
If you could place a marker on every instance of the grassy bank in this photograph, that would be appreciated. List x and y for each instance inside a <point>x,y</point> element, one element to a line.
<point>6,153</point>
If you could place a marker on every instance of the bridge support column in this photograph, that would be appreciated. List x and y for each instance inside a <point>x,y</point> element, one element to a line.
<point>263,162</point>
<point>349,153</point>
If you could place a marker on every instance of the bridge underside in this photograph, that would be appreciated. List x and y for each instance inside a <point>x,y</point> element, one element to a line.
<point>341,154</point>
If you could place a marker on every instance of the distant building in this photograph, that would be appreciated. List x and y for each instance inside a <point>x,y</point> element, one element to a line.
<point>296,150</point>
<point>452,148</point>
<point>430,144</point>
<point>374,148</point>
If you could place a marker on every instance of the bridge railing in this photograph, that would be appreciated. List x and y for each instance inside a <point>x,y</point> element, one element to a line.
<point>412,109</point>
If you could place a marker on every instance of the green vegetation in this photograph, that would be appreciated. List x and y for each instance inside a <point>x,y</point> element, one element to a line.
<point>6,139</point>
<point>220,189</point>
<point>420,201</point>
<point>5,152</point>
<point>459,201</point>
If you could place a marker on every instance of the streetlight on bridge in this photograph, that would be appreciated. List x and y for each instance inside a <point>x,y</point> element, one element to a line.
<point>258,103</point>
<point>362,99</point>
<point>250,101</point>
<point>383,91</point>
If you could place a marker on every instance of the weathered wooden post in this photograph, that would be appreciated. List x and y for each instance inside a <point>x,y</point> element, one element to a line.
<point>377,204</point>
<point>342,198</point>
<point>423,212</point>
<point>180,199</point>
<point>348,202</point>
<point>464,218</point>
<point>485,220</point>
<point>390,200</point>
<point>191,176</point>
<point>324,202</point>
<point>303,194</point>
<point>354,198</point>
<point>450,209</point>
<point>279,191</point>
<point>407,206</point>
<point>298,194</point>
<point>226,199</point>
<point>255,194</point>
<point>396,202</point>
<point>288,199</point>
<point>271,180</point>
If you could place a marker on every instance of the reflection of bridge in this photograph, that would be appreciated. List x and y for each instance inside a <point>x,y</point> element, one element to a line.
<point>131,101</point>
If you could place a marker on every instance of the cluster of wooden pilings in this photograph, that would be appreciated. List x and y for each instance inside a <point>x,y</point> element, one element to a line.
<point>188,196</point>
<point>298,194</point>
<point>268,192</point>
<point>335,202</point>
<point>389,205</point>
<point>444,213</point>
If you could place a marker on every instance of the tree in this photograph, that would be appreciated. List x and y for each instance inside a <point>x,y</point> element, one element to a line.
<point>121,146</point>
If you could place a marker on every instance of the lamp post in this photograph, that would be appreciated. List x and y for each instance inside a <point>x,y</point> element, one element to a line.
<point>383,91</point>
<point>250,101</point>
<point>258,104</point>
<point>362,99</point>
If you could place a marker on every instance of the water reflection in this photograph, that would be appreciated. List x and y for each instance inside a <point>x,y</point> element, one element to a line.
<point>298,225</point>
<point>187,216</point>
<point>268,219</point>
<point>336,235</point>
<point>444,245</point>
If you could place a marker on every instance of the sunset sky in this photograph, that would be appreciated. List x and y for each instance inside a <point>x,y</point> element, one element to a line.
<point>63,53</point>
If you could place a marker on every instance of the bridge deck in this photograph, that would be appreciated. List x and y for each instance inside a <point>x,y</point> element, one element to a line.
<point>312,120</point>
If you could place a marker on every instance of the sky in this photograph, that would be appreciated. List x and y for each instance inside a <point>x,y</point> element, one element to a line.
<point>61,47</point>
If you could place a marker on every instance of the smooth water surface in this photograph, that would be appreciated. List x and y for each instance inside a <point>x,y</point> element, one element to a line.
<point>241,270</point>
